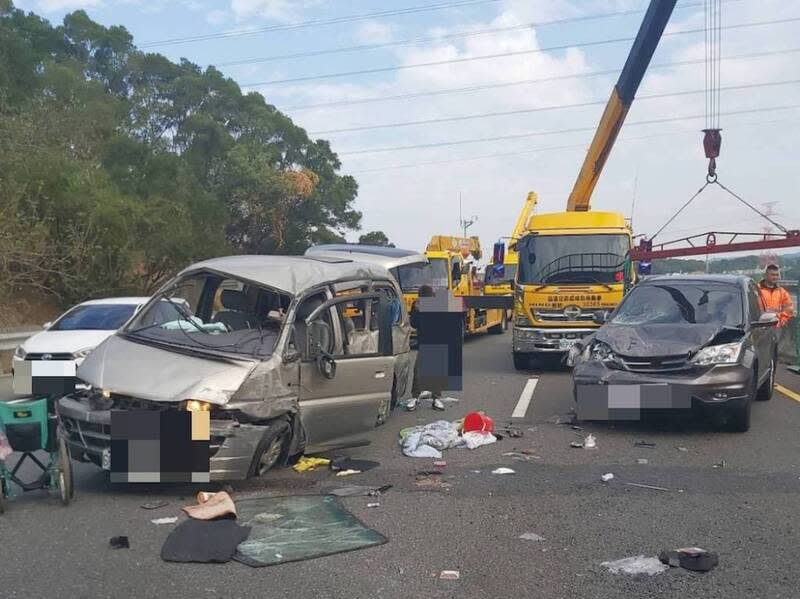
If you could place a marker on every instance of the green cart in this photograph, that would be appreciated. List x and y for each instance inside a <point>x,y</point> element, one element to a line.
<point>31,426</point>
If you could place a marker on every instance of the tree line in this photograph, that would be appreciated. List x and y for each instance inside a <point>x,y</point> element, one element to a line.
<point>119,167</point>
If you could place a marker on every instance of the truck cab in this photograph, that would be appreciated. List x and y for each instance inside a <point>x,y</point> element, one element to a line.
<point>572,265</point>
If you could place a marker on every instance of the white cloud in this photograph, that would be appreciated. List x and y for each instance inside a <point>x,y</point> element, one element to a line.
<point>216,17</point>
<point>272,10</point>
<point>374,32</point>
<point>58,5</point>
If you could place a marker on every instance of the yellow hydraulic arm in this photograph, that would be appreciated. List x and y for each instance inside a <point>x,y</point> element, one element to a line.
<point>656,18</point>
<point>524,216</point>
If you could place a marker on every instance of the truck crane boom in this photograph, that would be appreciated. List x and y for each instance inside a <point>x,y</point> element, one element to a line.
<point>653,24</point>
<point>524,217</point>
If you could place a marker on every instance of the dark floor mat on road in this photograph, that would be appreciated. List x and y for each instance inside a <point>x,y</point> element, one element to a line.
<point>204,541</point>
<point>289,529</point>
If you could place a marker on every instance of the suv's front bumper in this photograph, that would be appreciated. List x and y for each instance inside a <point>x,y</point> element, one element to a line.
<point>88,434</point>
<point>528,340</point>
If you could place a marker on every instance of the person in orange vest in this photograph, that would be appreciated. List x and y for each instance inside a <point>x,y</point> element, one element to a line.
<point>774,297</point>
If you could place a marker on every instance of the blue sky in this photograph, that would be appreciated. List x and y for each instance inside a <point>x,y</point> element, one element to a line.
<point>412,194</point>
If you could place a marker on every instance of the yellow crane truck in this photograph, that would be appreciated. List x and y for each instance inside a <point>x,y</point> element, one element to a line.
<point>574,266</point>
<point>451,266</point>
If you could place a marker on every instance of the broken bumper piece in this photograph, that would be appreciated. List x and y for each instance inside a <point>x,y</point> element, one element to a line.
<point>88,434</point>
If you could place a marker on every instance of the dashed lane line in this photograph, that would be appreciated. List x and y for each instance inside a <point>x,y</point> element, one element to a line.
<point>525,399</point>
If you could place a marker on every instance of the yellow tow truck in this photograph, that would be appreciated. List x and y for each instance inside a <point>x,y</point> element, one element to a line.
<point>574,266</point>
<point>452,266</point>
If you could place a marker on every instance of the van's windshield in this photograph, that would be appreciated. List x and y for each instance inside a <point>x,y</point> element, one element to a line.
<point>214,313</point>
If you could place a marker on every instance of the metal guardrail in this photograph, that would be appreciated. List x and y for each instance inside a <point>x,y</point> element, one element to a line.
<point>9,341</point>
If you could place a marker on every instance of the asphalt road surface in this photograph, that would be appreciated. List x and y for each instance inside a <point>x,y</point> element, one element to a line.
<point>470,520</point>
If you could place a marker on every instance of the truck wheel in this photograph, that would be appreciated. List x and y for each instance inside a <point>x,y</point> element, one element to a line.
<point>501,327</point>
<point>271,449</point>
<point>765,391</point>
<point>521,361</point>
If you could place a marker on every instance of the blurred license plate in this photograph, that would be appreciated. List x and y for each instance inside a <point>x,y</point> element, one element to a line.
<point>566,344</point>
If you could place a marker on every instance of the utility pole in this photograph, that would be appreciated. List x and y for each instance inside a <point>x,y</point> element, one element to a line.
<point>465,223</point>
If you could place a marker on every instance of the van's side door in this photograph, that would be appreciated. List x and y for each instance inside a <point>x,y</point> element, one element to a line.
<point>338,411</point>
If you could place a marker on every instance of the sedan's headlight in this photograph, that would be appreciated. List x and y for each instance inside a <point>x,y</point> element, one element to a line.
<point>727,353</point>
<point>82,353</point>
<point>195,405</point>
<point>20,353</point>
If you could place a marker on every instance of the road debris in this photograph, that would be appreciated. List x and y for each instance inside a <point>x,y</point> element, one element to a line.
<point>308,463</point>
<point>576,444</point>
<point>646,444</point>
<point>683,449</point>
<point>171,520</point>
<point>374,505</point>
<point>345,463</point>
<point>119,542</point>
<point>449,575</point>
<point>440,464</point>
<point>607,477</point>
<point>204,541</point>
<point>532,536</point>
<point>429,440</point>
<point>349,472</point>
<point>356,490</point>
<point>211,505</point>
<point>477,421</point>
<point>503,470</point>
<point>589,442</point>
<point>154,505</point>
<point>719,464</point>
<point>638,564</point>
<point>642,461</point>
<point>690,558</point>
<point>653,487</point>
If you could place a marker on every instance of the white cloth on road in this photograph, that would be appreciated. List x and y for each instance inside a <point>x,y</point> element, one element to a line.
<point>429,440</point>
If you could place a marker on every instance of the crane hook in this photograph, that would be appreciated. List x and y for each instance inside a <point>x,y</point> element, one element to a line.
<point>712,142</point>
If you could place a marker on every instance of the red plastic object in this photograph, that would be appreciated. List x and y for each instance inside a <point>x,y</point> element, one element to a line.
<point>475,421</point>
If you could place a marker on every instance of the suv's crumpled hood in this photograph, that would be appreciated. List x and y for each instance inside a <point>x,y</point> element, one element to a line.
<point>148,372</point>
<point>656,339</point>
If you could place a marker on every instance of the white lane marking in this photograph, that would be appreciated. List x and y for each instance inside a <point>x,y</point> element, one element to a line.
<point>525,399</point>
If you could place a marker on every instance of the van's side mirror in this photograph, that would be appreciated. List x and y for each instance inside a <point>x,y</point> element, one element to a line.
<point>767,319</point>
<point>601,317</point>
<point>318,337</point>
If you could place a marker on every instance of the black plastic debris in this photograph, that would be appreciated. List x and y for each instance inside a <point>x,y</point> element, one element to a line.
<point>345,463</point>
<point>204,541</point>
<point>690,558</point>
<point>646,444</point>
<point>154,505</point>
<point>119,543</point>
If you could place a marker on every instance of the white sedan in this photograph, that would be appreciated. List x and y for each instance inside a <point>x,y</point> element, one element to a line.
<point>67,341</point>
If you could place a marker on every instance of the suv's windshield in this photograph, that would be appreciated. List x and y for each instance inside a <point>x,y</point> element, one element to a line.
<point>572,258</point>
<point>681,303</point>
<point>205,311</point>
<point>94,317</point>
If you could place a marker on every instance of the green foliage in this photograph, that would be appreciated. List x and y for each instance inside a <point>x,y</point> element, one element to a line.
<point>120,167</point>
<point>375,238</point>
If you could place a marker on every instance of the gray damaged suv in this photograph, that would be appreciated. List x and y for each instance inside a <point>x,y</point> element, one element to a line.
<point>699,341</point>
<point>288,354</point>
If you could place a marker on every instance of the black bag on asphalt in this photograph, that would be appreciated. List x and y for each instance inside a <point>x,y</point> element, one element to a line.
<point>204,541</point>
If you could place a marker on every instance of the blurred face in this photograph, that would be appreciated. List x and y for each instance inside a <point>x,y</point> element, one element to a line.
<point>773,276</point>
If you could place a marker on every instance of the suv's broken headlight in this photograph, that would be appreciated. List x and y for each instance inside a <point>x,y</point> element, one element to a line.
<point>599,351</point>
<point>727,353</point>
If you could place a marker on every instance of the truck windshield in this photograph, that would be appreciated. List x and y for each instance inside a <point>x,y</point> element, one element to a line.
<point>494,277</point>
<point>682,303</point>
<point>545,259</point>
<point>439,269</point>
<point>210,312</point>
<point>412,276</point>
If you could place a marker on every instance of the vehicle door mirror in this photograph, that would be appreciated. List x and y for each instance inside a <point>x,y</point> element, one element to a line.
<point>767,319</point>
<point>601,317</point>
<point>47,325</point>
<point>291,355</point>
<point>318,339</point>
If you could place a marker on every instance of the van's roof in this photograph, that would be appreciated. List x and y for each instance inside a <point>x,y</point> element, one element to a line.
<point>292,274</point>
<point>388,261</point>
<point>377,250</point>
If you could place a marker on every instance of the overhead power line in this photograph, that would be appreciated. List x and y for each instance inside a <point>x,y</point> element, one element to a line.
<point>410,10</point>
<point>502,84</point>
<point>484,115</point>
<point>625,138</point>
<point>432,63</point>
<point>450,36</point>
<point>528,134</point>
